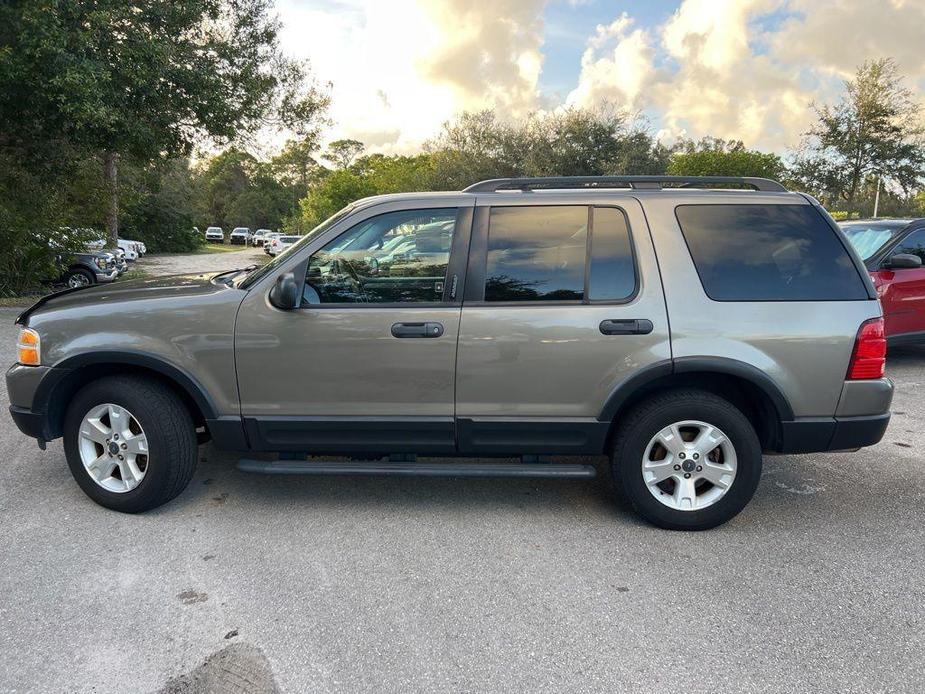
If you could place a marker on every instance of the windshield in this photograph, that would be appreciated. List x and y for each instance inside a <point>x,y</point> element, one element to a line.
<point>867,239</point>
<point>256,275</point>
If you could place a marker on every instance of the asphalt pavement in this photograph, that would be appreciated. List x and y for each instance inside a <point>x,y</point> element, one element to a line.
<point>263,584</point>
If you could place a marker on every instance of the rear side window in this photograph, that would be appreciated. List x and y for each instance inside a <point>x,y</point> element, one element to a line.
<point>536,253</point>
<point>768,253</point>
<point>612,275</point>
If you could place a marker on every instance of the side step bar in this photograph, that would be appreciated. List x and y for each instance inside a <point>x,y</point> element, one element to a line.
<point>323,467</point>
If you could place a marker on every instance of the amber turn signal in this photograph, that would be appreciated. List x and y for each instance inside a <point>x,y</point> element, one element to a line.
<point>29,348</point>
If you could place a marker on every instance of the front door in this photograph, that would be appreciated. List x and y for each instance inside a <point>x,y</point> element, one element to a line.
<point>563,302</point>
<point>367,363</point>
<point>904,303</point>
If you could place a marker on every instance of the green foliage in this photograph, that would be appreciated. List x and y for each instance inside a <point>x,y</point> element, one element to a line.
<point>342,153</point>
<point>712,157</point>
<point>335,191</point>
<point>874,130</point>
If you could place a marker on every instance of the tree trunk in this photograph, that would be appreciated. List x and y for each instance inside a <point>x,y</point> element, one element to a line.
<point>111,169</point>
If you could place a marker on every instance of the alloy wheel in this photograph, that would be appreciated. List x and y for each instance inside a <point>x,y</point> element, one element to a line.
<point>113,448</point>
<point>689,465</point>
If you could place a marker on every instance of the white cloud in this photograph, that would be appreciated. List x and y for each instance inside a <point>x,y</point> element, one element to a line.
<point>714,68</point>
<point>400,68</point>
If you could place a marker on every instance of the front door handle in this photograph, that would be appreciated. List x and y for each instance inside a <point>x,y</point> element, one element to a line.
<point>417,330</point>
<point>626,326</point>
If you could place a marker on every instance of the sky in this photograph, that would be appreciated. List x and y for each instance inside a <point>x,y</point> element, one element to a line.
<point>736,69</point>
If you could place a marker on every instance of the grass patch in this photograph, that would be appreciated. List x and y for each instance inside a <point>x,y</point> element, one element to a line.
<point>24,301</point>
<point>222,248</point>
<point>135,273</point>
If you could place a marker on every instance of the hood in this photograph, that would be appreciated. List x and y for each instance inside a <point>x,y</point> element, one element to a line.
<point>170,287</point>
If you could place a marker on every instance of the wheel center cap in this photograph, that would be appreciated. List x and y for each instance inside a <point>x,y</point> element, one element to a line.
<point>113,448</point>
<point>688,465</point>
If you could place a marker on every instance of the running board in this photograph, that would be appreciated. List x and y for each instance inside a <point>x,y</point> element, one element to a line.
<point>323,467</point>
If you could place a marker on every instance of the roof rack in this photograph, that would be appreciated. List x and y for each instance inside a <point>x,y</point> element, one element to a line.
<point>633,182</point>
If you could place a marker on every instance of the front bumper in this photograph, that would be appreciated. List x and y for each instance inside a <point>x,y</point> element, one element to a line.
<point>22,385</point>
<point>107,275</point>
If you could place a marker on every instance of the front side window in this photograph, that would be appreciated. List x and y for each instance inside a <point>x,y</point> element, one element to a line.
<point>914,244</point>
<point>869,238</point>
<point>768,253</point>
<point>398,257</point>
<point>536,253</point>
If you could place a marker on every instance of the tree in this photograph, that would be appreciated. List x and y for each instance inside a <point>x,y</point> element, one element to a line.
<point>146,78</point>
<point>874,130</point>
<point>714,157</point>
<point>342,153</point>
<point>333,192</point>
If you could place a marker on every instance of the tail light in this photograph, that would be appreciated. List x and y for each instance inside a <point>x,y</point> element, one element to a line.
<point>868,360</point>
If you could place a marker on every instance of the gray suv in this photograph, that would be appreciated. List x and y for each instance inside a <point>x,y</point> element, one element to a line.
<point>681,326</point>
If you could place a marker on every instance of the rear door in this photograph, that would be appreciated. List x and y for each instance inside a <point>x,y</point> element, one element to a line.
<point>563,302</point>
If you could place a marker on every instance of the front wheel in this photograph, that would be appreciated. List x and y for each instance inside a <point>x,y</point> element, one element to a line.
<point>130,443</point>
<point>686,460</point>
<point>77,278</point>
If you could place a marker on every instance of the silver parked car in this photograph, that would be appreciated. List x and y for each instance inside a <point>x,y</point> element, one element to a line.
<point>677,325</point>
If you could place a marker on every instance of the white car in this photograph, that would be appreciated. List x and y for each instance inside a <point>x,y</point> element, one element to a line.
<point>268,242</point>
<point>130,248</point>
<point>281,243</point>
<point>215,235</point>
<point>260,236</point>
<point>140,248</point>
<point>240,235</point>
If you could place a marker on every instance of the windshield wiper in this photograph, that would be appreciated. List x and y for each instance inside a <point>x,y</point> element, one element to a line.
<point>229,275</point>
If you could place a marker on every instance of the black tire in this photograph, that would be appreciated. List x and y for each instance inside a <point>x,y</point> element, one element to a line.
<point>170,432</point>
<point>79,272</point>
<point>651,416</point>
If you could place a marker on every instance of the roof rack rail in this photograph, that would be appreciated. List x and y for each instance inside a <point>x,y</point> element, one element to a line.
<point>633,182</point>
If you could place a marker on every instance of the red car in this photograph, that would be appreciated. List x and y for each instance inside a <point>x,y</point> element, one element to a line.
<point>893,251</point>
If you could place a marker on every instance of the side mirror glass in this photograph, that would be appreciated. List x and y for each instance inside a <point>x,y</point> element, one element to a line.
<point>902,261</point>
<point>285,293</point>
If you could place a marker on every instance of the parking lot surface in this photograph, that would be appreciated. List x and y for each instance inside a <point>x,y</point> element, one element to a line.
<point>290,584</point>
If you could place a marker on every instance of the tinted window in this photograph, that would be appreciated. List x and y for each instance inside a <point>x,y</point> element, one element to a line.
<point>768,253</point>
<point>612,273</point>
<point>914,243</point>
<point>536,253</point>
<point>397,257</point>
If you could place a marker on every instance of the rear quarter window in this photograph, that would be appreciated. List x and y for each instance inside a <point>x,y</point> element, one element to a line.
<point>768,253</point>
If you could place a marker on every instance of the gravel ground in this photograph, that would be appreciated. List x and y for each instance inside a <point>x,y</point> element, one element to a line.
<point>253,584</point>
<point>183,263</point>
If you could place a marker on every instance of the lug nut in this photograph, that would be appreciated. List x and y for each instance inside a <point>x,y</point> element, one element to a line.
<point>125,445</point>
<point>677,467</point>
<point>122,458</point>
<point>696,456</point>
<point>116,437</point>
<point>699,468</point>
<point>687,475</point>
<point>682,456</point>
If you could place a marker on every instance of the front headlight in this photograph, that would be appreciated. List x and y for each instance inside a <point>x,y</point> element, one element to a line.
<point>29,348</point>
<point>100,263</point>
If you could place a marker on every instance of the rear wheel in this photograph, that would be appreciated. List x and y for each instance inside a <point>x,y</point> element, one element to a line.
<point>130,443</point>
<point>686,460</point>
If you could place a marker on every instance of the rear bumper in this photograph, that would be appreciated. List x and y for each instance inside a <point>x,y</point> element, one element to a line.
<point>861,419</point>
<point>832,434</point>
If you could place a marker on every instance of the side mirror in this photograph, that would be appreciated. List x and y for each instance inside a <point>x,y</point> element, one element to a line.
<point>903,261</point>
<point>285,293</point>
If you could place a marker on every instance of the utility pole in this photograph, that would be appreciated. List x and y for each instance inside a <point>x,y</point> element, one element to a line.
<point>877,197</point>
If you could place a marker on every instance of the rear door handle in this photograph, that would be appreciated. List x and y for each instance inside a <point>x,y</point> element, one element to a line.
<point>417,330</point>
<point>626,326</point>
